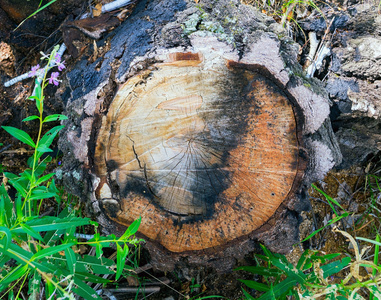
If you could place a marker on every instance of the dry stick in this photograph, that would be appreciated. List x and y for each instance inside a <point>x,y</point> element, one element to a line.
<point>105,8</point>
<point>322,52</point>
<point>5,148</point>
<point>313,47</point>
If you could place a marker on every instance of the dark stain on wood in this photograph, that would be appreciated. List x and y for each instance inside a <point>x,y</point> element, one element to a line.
<point>205,155</point>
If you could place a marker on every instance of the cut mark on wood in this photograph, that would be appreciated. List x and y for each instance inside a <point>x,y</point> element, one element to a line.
<point>185,104</point>
<point>180,59</point>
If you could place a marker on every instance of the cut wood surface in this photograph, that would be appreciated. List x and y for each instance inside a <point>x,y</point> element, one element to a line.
<point>203,149</point>
<point>209,132</point>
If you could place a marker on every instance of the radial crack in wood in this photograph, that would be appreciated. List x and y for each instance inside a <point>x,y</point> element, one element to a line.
<point>203,148</point>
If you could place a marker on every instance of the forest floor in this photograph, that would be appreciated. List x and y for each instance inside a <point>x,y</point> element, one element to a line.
<point>351,187</point>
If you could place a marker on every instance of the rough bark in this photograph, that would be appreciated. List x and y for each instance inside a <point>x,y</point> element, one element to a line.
<point>221,81</point>
<point>353,79</point>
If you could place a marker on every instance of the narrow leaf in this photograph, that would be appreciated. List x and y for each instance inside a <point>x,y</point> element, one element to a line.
<point>44,178</point>
<point>20,135</point>
<point>56,117</point>
<point>52,223</point>
<point>48,137</point>
<point>260,270</point>
<point>30,118</point>
<point>255,285</point>
<point>83,290</point>
<point>71,260</point>
<point>121,254</point>
<point>31,232</point>
<point>50,251</point>
<point>16,273</point>
<point>334,220</point>
<point>37,195</point>
<point>335,267</point>
<point>132,229</point>
<point>34,286</point>
<point>87,277</point>
<point>18,187</point>
<point>247,295</point>
<point>6,240</point>
<point>280,289</point>
<point>44,149</point>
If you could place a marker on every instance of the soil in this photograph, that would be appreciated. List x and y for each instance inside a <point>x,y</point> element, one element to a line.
<point>348,184</point>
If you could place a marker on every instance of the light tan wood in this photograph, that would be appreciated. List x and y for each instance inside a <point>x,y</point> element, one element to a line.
<point>203,152</point>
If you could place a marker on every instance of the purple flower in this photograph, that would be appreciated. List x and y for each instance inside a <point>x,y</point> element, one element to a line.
<point>61,66</point>
<point>53,78</point>
<point>34,71</point>
<point>57,58</point>
<point>57,61</point>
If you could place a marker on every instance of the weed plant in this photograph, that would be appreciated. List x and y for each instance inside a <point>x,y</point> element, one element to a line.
<point>318,275</point>
<point>41,253</point>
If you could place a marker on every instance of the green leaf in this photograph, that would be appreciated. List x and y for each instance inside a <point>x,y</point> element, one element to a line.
<point>121,254</point>
<point>95,265</point>
<point>53,223</point>
<point>6,239</point>
<point>44,149</point>
<point>376,253</point>
<point>334,220</point>
<point>27,229</point>
<point>16,184</point>
<point>44,178</point>
<point>20,135</point>
<point>132,229</point>
<point>8,205</point>
<point>280,289</point>
<point>33,98</point>
<point>329,199</point>
<point>19,212</point>
<point>37,195</point>
<point>260,270</point>
<point>247,295</point>
<point>16,273</point>
<point>83,290</point>
<point>30,118</point>
<point>71,260</point>
<point>56,117</point>
<point>91,278</point>
<point>291,271</point>
<point>51,237</point>
<point>50,251</point>
<point>255,285</point>
<point>335,267</point>
<point>49,290</point>
<point>48,138</point>
<point>37,11</point>
<point>34,286</point>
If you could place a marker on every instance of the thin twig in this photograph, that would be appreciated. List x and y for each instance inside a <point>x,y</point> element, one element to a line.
<point>5,148</point>
<point>105,8</point>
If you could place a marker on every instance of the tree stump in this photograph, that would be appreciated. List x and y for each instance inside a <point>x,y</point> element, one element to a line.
<point>201,124</point>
